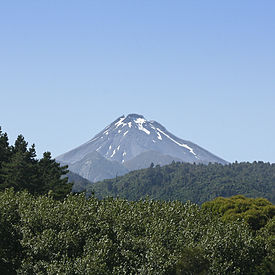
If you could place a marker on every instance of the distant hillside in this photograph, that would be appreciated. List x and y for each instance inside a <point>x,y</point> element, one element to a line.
<point>195,182</point>
<point>80,184</point>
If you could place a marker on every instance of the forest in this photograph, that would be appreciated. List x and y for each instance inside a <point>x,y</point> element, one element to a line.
<point>197,183</point>
<point>47,229</point>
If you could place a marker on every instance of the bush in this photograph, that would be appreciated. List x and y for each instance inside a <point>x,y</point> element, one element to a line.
<point>115,236</point>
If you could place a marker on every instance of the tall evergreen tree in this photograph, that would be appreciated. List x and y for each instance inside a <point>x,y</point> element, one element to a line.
<point>20,145</point>
<point>21,171</point>
<point>5,152</point>
<point>52,177</point>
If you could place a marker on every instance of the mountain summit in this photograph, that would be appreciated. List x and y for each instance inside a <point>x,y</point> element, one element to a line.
<point>132,142</point>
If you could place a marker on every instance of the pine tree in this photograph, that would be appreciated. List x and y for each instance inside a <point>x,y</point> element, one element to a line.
<point>20,145</point>
<point>5,152</point>
<point>52,177</point>
<point>21,171</point>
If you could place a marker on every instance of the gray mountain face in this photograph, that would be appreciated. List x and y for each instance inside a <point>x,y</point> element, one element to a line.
<point>145,159</point>
<point>96,168</point>
<point>130,143</point>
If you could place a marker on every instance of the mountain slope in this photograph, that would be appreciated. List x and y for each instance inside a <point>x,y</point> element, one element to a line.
<point>95,167</point>
<point>133,142</point>
<point>145,159</point>
<point>80,184</point>
<point>129,136</point>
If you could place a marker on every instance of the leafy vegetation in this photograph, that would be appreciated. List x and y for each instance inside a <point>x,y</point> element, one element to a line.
<point>195,182</point>
<point>255,212</point>
<point>40,235</point>
<point>46,230</point>
<point>20,169</point>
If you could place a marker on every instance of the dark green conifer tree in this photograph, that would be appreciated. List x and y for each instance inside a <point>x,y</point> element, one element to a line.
<point>5,152</point>
<point>21,171</point>
<point>52,177</point>
<point>20,145</point>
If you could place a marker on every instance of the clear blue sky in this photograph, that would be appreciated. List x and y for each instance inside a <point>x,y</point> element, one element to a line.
<point>203,69</point>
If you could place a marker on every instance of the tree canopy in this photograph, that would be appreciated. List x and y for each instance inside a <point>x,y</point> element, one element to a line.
<point>255,212</point>
<point>195,182</point>
<point>40,235</point>
<point>21,170</point>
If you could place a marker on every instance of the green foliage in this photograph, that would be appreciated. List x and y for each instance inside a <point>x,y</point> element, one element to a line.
<point>192,261</point>
<point>4,147</point>
<point>258,213</point>
<point>11,252</point>
<point>115,236</point>
<point>267,233</point>
<point>51,177</point>
<point>42,235</point>
<point>5,152</point>
<point>197,183</point>
<point>255,212</point>
<point>20,170</point>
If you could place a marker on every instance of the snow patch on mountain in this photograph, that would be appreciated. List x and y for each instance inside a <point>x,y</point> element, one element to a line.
<point>139,122</point>
<point>113,153</point>
<point>99,148</point>
<point>182,145</point>
<point>159,136</point>
<point>120,122</point>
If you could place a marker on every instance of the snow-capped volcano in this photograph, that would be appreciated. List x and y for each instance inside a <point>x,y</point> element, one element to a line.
<point>130,136</point>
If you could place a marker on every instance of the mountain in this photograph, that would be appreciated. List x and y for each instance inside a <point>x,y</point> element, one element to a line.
<point>132,142</point>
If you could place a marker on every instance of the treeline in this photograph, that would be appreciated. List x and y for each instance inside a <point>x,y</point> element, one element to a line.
<point>21,170</point>
<point>40,235</point>
<point>195,182</point>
